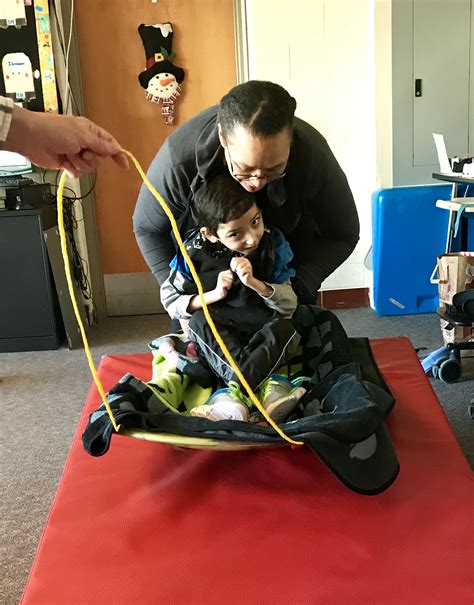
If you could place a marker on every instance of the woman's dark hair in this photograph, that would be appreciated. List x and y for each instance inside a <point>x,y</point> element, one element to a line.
<point>264,108</point>
<point>221,200</point>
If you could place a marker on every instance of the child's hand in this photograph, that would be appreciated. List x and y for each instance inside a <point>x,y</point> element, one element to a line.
<point>224,283</point>
<point>243,267</point>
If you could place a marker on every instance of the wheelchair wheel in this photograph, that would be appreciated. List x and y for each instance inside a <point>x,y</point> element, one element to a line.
<point>449,370</point>
<point>436,365</point>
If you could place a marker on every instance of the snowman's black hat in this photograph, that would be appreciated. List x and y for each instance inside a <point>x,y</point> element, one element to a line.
<point>165,67</point>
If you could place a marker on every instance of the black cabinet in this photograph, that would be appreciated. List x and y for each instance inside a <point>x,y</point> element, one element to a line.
<point>30,318</point>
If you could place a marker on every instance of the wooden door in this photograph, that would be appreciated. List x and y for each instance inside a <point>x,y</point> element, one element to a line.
<point>112,55</point>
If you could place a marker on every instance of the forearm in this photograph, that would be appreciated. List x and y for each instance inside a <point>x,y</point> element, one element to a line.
<point>173,300</point>
<point>195,302</point>
<point>59,142</point>
<point>150,224</point>
<point>323,242</point>
<point>157,250</point>
<point>282,298</point>
<point>328,229</point>
<point>6,111</point>
<point>320,258</point>
<point>179,305</point>
<point>260,287</point>
<point>18,132</point>
<point>153,234</point>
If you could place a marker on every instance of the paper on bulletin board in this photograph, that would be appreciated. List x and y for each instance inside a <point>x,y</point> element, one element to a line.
<point>12,14</point>
<point>18,77</point>
<point>45,52</point>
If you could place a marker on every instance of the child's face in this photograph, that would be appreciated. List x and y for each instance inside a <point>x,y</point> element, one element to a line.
<point>243,234</point>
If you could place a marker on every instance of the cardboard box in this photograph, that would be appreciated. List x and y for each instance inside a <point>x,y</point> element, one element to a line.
<point>455,274</point>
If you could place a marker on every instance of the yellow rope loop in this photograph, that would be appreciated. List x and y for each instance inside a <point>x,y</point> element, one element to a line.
<point>216,334</point>
<point>62,236</point>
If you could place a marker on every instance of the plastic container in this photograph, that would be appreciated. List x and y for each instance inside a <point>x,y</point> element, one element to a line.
<point>408,232</point>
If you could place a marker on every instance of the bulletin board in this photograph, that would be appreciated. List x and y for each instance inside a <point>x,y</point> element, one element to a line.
<point>27,73</point>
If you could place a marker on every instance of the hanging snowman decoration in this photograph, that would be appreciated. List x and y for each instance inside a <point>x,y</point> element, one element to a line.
<point>161,78</point>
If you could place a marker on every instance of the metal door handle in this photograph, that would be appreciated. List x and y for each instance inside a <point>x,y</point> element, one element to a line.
<point>418,91</point>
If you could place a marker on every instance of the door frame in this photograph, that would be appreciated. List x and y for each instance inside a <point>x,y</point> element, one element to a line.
<point>241,40</point>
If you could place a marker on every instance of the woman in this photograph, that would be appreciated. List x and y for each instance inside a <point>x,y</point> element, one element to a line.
<point>300,187</point>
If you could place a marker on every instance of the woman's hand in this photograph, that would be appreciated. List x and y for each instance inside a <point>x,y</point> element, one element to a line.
<point>70,143</point>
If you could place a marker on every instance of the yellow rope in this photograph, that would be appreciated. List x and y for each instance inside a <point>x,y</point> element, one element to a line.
<point>62,236</point>
<point>216,334</point>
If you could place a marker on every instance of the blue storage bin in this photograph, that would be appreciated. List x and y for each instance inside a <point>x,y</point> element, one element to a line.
<point>408,232</point>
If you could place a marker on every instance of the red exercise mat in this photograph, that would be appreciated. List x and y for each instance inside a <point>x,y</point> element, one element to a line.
<point>151,524</point>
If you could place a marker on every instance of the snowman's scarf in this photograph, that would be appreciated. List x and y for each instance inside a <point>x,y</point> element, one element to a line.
<point>167,105</point>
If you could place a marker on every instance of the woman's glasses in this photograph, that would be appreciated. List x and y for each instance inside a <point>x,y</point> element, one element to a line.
<point>269,176</point>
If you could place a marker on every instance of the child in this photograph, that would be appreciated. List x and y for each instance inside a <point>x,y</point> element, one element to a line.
<point>245,272</point>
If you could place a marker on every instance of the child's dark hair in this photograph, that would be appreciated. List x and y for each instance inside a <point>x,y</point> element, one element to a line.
<point>221,200</point>
<point>264,108</point>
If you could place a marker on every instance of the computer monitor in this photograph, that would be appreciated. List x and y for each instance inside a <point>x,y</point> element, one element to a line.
<point>12,164</point>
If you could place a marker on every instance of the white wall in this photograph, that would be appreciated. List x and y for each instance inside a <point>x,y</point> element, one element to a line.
<point>323,53</point>
<point>383,93</point>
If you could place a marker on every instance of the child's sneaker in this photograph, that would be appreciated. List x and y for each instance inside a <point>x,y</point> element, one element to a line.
<point>224,404</point>
<point>279,397</point>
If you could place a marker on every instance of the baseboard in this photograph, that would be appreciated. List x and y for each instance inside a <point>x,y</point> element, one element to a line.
<point>352,298</point>
<point>132,294</point>
<point>139,294</point>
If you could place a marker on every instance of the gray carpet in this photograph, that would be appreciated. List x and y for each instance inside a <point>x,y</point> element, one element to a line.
<point>43,395</point>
